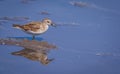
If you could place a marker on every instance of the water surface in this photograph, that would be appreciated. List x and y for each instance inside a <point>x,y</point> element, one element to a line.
<point>87,37</point>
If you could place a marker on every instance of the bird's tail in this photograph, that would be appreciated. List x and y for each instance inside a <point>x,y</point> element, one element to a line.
<point>17,26</point>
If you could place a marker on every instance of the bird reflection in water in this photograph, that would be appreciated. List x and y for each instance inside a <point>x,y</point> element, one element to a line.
<point>33,49</point>
<point>34,55</point>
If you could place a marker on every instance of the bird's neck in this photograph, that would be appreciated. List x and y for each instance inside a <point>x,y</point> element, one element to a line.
<point>45,26</point>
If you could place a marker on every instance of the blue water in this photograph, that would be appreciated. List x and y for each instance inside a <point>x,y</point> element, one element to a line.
<point>88,38</point>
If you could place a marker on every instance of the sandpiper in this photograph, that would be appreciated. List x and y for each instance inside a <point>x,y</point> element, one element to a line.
<point>35,28</point>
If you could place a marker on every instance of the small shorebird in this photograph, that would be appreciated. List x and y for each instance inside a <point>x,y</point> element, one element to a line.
<point>35,28</point>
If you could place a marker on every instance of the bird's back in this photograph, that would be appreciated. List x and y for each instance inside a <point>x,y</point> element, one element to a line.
<point>33,27</point>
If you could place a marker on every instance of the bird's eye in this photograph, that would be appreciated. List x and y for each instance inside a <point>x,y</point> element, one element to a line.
<point>48,21</point>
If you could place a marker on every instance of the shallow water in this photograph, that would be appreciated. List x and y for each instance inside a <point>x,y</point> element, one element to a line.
<point>87,37</point>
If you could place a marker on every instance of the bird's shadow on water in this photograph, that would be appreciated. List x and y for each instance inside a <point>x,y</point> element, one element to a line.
<point>32,49</point>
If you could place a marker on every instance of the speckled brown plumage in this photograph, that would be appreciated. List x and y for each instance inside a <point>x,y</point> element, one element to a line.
<point>35,28</point>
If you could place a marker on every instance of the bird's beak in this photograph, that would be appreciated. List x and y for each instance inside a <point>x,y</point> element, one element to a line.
<point>53,24</point>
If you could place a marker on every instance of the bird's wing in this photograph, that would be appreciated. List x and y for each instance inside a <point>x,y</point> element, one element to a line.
<point>32,26</point>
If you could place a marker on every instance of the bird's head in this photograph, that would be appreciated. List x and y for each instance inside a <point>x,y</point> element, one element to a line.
<point>48,22</point>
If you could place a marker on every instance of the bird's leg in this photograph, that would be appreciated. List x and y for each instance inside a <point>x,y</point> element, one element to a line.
<point>33,37</point>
